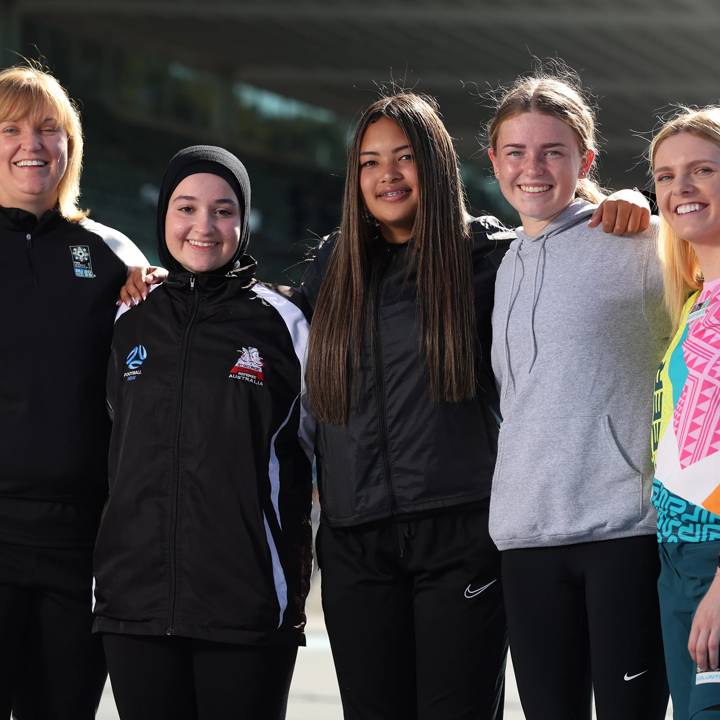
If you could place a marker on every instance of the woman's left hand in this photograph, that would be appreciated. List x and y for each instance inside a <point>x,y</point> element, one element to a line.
<point>705,631</point>
<point>138,280</point>
<point>623,213</point>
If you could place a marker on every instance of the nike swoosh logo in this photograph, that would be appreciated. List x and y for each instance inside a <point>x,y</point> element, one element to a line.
<point>470,593</point>
<point>628,678</point>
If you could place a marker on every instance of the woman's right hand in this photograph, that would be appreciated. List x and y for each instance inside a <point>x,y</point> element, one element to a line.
<point>705,631</point>
<point>138,280</point>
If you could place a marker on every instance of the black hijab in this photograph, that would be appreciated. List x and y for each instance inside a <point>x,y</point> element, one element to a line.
<point>205,159</point>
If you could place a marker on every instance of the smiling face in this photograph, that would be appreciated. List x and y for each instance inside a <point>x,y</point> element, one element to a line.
<point>33,160</point>
<point>388,179</point>
<point>537,162</point>
<point>202,223</point>
<point>686,170</point>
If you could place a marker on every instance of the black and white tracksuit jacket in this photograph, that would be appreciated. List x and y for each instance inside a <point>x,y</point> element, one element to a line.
<point>400,453</point>
<point>57,299</point>
<point>206,532</point>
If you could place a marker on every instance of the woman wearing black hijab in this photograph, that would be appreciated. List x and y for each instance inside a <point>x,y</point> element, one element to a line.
<point>203,557</point>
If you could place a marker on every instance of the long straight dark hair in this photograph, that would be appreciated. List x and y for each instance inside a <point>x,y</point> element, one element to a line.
<point>443,262</point>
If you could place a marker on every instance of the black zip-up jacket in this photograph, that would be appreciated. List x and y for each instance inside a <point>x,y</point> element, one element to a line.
<point>206,531</point>
<point>57,298</point>
<point>401,453</point>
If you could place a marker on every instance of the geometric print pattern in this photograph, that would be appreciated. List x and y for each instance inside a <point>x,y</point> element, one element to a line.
<point>679,519</point>
<point>696,419</point>
<point>685,435</point>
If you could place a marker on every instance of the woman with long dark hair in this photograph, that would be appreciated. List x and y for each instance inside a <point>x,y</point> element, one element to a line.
<point>400,381</point>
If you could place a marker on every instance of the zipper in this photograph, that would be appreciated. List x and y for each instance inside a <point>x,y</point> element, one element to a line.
<point>380,381</point>
<point>176,460</point>
<point>29,246</point>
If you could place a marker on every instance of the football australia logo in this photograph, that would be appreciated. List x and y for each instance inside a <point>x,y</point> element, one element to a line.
<point>134,360</point>
<point>81,260</point>
<point>248,367</point>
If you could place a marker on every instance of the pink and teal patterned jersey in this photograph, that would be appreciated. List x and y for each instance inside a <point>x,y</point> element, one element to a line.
<point>686,425</point>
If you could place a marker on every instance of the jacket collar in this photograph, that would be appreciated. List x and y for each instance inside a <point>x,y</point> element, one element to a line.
<point>24,221</point>
<point>244,274</point>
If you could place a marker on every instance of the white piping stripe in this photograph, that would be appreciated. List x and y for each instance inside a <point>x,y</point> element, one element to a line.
<point>124,308</point>
<point>278,574</point>
<point>298,328</point>
<point>274,468</point>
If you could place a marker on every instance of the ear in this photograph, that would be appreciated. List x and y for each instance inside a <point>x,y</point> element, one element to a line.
<point>587,162</point>
<point>493,160</point>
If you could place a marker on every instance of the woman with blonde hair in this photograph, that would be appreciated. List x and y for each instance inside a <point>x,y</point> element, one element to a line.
<point>61,275</point>
<point>578,328</point>
<point>685,160</point>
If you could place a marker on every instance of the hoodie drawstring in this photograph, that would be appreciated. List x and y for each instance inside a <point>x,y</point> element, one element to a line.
<point>511,301</point>
<point>536,297</point>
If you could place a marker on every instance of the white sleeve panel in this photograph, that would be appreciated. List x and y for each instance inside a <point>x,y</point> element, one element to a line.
<point>298,328</point>
<point>123,308</point>
<point>120,244</point>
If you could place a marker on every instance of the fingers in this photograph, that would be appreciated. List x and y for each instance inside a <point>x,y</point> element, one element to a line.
<point>135,290</point>
<point>154,275</point>
<point>644,222</point>
<point>622,218</point>
<point>124,297</point>
<point>609,215</point>
<point>701,650</point>
<point>596,217</point>
<point>713,642</point>
<point>703,646</point>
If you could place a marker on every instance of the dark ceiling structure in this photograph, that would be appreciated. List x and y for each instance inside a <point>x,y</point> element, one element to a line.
<point>637,56</point>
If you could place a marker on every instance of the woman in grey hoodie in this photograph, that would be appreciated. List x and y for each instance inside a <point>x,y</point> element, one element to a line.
<point>578,329</point>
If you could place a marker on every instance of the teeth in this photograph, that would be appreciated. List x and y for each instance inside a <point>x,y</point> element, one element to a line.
<point>197,243</point>
<point>688,208</point>
<point>394,193</point>
<point>534,188</point>
<point>31,163</point>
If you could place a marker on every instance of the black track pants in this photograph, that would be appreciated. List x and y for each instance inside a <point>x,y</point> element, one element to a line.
<point>415,617</point>
<point>171,678</point>
<point>585,617</point>
<point>51,666</point>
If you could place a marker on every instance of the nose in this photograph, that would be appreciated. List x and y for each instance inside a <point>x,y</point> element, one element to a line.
<point>391,172</point>
<point>205,222</point>
<point>534,165</point>
<point>684,185</point>
<point>31,139</point>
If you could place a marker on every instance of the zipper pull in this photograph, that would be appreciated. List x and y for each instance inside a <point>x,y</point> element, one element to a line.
<point>28,238</point>
<point>192,282</point>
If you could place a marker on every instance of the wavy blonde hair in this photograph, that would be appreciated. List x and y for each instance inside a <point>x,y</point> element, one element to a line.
<point>27,91</point>
<point>681,268</point>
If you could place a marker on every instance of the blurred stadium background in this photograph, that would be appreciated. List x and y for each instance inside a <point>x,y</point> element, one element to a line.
<point>280,82</point>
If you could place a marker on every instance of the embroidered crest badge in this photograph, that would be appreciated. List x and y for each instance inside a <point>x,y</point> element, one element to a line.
<point>248,367</point>
<point>81,260</point>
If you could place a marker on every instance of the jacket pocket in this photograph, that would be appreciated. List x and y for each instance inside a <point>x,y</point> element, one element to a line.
<point>562,477</point>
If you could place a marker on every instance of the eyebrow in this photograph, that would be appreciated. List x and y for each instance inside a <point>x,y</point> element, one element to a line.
<point>223,201</point>
<point>665,168</point>
<point>39,121</point>
<point>544,145</point>
<point>394,150</point>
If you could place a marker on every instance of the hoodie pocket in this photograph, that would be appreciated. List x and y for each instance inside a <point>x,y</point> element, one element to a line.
<point>562,477</point>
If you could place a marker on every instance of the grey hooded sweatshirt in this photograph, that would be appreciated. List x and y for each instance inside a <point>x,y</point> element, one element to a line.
<point>579,328</point>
